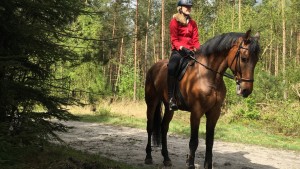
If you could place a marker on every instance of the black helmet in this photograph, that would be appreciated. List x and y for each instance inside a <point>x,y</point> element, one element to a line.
<point>185,3</point>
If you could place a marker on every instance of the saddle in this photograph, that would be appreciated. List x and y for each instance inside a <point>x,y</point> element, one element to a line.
<point>185,62</point>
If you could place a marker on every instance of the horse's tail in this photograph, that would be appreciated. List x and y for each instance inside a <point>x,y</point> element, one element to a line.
<point>156,135</point>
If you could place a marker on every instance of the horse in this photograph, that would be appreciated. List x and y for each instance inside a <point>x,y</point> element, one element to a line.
<point>203,90</point>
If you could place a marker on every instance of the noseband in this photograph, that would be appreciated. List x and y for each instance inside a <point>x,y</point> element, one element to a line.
<point>238,67</point>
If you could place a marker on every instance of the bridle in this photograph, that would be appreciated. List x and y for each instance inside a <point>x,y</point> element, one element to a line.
<point>237,67</point>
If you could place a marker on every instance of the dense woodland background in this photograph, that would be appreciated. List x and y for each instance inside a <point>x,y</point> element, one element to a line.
<point>57,53</point>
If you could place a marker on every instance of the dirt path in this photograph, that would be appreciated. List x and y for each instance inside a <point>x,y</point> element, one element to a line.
<point>128,145</point>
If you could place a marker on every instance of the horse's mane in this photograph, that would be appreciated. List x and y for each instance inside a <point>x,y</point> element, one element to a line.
<point>223,43</point>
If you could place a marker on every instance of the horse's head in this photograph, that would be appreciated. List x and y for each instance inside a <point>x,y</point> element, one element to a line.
<point>242,59</point>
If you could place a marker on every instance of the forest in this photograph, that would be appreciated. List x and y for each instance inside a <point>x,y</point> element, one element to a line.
<point>59,53</point>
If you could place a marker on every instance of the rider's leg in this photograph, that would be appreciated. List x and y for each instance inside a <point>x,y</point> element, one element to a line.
<point>172,67</point>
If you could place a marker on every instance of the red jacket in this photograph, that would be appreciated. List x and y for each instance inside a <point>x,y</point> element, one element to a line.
<point>186,36</point>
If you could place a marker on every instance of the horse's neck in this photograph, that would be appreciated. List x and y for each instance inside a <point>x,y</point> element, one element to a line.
<point>216,66</point>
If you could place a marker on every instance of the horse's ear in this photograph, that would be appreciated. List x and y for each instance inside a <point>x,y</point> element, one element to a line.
<point>257,36</point>
<point>247,35</point>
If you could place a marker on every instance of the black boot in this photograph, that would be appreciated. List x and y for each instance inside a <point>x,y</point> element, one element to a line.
<point>172,100</point>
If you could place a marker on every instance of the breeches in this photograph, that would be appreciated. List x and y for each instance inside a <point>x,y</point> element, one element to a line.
<point>173,64</point>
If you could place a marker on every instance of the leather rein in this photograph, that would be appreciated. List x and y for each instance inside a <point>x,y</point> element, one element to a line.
<point>234,76</point>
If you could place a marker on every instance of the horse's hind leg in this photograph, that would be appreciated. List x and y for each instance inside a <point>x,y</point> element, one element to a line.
<point>211,121</point>
<point>164,130</point>
<point>151,108</point>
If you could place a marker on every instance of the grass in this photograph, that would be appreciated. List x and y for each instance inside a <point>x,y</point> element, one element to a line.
<point>54,156</point>
<point>247,131</point>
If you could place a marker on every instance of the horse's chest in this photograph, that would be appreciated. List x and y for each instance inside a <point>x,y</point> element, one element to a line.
<point>208,95</point>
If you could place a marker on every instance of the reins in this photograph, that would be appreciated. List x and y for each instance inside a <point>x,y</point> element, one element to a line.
<point>233,77</point>
<point>217,72</point>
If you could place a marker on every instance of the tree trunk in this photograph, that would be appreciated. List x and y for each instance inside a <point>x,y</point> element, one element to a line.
<point>146,39</point>
<point>283,47</point>
<point>291,43</point>
<point>110,64</point>
<point>270,59</point>
<point>135,51</point>
<point>240,15</point>
<point>233,14</point>
<point>276,61</point>
<point>162,29</point>
<point>270,55</point>
<point>120,63</point>
<point>155,56</point>
<point>298,49</point>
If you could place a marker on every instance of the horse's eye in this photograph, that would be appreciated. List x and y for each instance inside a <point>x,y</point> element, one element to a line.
<point>244,59</point>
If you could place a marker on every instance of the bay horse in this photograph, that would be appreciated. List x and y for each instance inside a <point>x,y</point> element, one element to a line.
<point>203,90</point>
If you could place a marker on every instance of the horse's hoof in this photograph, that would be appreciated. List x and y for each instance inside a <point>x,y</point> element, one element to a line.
<point>148,161</point>
<point>191,167</point>
<point>207,166</point>
<point>168,163</point>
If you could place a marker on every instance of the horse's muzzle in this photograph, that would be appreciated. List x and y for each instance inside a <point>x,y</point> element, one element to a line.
<point>245,92</point>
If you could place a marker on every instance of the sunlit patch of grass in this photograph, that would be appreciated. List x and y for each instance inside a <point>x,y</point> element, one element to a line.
<point>253,134</point>
<point>105,116</point>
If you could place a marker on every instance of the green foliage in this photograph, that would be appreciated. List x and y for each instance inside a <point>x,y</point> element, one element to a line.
<point>85,42</point>
<point>267,87</point>
<point>245,109</point>
<point>250,111</point>
<point>127,79</point>
<point>125,87</point>
<point>30,32</point>
<point>263,106</point>
<point>282,117</point>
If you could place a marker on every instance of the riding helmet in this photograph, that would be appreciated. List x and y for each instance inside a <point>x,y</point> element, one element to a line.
<point>185,3</point>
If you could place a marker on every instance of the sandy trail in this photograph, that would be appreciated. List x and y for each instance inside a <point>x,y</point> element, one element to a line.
<point>128,145</point>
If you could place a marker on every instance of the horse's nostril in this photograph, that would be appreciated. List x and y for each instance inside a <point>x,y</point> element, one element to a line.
<point>246,92</point>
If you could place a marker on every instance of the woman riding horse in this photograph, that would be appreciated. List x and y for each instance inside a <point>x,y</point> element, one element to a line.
<point>184,37</point>
<point>202,89</point>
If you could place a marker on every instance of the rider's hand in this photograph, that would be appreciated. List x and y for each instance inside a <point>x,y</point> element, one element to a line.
<point>187,51</point>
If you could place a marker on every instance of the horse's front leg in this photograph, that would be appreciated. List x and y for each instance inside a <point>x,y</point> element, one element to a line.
<point>164,130</point>
<point>211,121</point>
<point>194,141</point>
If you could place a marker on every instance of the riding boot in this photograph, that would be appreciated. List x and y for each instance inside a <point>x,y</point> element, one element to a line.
<point>172,101</point>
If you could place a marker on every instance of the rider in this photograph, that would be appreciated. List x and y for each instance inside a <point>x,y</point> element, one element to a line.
<point>184,38</point>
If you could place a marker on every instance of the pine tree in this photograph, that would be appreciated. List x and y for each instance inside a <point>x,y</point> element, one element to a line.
<point>30,36</point>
